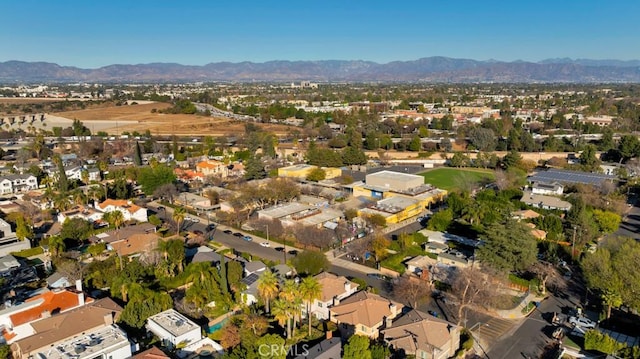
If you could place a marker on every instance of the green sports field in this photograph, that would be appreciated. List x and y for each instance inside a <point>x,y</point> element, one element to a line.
<point>454,178</point>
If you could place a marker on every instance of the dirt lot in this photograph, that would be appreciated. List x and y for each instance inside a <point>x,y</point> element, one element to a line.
<point>140,118</point>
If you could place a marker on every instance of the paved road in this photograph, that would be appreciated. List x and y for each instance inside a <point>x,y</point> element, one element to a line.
<point>630,226</point>
<point>531,336</point>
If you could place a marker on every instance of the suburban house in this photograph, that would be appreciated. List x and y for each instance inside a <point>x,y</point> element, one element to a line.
<point>525,214</point>
<point>552,189</point>
<point>453,260</point>
<point>419,264</point>
<point>194,201</point>
<point>57,281</point>
<point>87,213</point>
<point>130,240</point>
<point>7,264</point>
<point>151,353</point>
<point>16,320</point>
<point>17,183</point>
<point>334,289</point>
<point>422,336</point>
<point>129,210</point>
<point>544,202</point>
<point>92,325</point>
<point>173,328</point>
<point>363,313</point>
<point>8,240</point>
<point>329,348</point>
<point>212,168</point>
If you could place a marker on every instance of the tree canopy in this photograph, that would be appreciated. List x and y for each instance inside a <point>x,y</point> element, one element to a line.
<point>508,247</point>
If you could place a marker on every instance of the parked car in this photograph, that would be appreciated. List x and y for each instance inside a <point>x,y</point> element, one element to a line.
<point>238,234</point>
<point>293,252</point>
<point>378,276</point>
<point>228,231</point>
<point>211,227</point>
<point>265,244</point>
<point>279,249</point>
<point>247,238</point>
<point>582,322</point>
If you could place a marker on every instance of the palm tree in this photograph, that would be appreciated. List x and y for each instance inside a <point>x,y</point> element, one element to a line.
<point>310,290</point>
<point>79,197</point>
<point>56,245</point>
<point>282,313</point>
<point>178,216</point>
<point>61,202</point>
<point>290,293</point>
<point>268,288</point>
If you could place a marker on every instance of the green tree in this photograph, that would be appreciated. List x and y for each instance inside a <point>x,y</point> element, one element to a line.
<point>459,159</point>
<point>415,145</point>
<point>76,229</point>
<point>141,307</point>
<point>588,158</point>
<point>594,340</point>
<point>151,178</point>
<point>511,159</point>
<point>137,155</point>
<point>178,215</point>
<point>24,230</point>
<point>316,174</point>
<point>606,220</point>
<point>5,351</point>
<point>440,220</point>
<point>629,147</point>
<point>508,247</point>
<point>310,290</point>
<point>96,249</point>
<point>311,262</point>
<point>268,288</point>
<point>56,245</point>
<point>254,169</point>
<point>612,300</point>
<point>379,246</point>
<point>271,346</point>
<point>353,156</point>
<point>357,348</point>
<point>63,182</point>
<point>483,139</point>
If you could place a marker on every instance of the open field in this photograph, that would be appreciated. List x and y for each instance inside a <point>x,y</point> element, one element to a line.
<point>453,178</point>
<point>140,118</point>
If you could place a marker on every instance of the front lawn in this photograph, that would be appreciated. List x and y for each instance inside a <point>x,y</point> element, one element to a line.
<point>452,178</point>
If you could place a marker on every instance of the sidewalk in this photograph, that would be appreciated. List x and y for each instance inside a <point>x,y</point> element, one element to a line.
<point>337,261</point>
<point>516,312</point>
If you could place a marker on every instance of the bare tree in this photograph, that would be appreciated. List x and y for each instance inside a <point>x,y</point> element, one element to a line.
<point>472,287</point>
<point>543,271</point>
<point>411,289</point>
<point>166,191</point>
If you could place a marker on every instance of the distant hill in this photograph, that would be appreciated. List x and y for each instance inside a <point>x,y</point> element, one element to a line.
<point>428,69</point>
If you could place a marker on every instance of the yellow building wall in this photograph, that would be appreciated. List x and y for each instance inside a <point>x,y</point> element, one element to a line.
<point>332,172</point>
<point>294,173</point>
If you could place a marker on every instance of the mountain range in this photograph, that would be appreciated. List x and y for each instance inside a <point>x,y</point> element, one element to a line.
<point>429,69</point>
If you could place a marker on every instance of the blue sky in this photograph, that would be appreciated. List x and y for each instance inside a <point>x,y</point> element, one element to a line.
<point>91,33</point>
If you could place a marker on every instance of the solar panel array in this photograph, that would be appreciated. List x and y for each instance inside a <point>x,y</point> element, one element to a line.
<point>563,176</point>
<point>250,279</point>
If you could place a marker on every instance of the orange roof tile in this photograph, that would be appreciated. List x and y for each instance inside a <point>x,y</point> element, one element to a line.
<point>122,203</point>
<point>54,302</point>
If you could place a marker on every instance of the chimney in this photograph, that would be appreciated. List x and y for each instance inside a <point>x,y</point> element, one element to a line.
<point>45,314</point>
<point>80,293</point>
<point>336,301</point>
<point>388,322</point>
<point>347,286</point>
<point>329,334</point>
<point>394,310</point>
<point>108,319</point>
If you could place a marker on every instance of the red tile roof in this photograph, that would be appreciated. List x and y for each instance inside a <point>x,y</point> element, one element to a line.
<point>54,302</point>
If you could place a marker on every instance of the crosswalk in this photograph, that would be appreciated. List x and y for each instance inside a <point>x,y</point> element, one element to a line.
<point>493,329</point>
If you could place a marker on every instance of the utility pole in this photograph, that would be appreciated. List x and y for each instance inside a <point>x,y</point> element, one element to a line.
<point>573,243</point>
